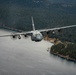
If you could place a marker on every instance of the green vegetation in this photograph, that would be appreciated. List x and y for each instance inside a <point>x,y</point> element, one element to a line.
<point>17,14</point>
<point>46,15</point>
<point>65,35</point>
<point>68,50</point>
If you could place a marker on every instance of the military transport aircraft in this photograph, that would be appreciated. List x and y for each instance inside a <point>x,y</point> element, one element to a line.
<point>36,35</point>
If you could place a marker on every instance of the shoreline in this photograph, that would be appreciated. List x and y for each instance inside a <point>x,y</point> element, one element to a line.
<point>62,56</point>
<point>55,42</point>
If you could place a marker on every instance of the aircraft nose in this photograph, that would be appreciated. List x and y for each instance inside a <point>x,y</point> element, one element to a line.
<point>39,37</point>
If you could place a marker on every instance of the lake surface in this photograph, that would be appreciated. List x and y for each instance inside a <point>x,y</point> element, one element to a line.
<point>25,57</point>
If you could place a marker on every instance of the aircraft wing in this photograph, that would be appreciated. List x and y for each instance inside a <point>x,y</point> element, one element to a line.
<point>43,30</point>
<point>13,29</point>
<point>16,34</point>
<point>64,27</point>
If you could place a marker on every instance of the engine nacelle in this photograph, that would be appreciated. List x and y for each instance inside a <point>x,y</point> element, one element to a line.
<point>57,31</point>
<point>25,36</point>
<point>60,30</point>
<point>19,37</point>
<point>14,36</point>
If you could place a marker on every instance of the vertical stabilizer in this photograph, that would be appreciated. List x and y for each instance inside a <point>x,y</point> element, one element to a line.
<point>33,24</point>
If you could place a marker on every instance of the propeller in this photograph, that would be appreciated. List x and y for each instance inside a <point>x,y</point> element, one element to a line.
<point>14,37</point>
<point>25,36</point>
<point>19,36</point>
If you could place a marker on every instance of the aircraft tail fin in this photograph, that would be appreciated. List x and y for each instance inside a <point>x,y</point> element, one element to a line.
<point>33,24</point>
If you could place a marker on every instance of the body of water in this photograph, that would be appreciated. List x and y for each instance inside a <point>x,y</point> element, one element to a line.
<point>25,57</point>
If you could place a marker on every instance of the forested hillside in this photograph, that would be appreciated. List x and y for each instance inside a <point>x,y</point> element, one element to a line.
<point>47,14</point>
<point>67,51</point>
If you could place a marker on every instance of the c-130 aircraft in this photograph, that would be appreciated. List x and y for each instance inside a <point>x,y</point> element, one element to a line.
<point>36,35</point>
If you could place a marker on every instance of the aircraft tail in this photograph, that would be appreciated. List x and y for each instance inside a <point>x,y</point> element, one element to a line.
<point>33,24</point>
